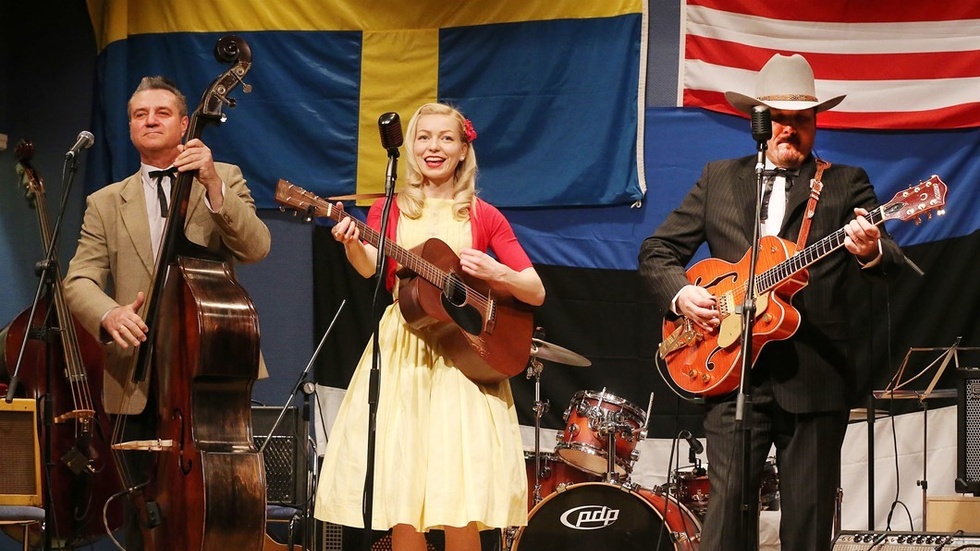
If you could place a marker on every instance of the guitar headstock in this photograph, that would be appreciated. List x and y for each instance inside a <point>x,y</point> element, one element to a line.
<point>302,201</point>
<point>922,198</point>
<point>29,178</point>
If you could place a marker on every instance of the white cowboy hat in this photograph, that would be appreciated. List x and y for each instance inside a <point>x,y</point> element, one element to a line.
<point>785,82</point>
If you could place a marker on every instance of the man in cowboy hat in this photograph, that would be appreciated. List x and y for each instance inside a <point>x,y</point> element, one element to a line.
<point>801,388</point>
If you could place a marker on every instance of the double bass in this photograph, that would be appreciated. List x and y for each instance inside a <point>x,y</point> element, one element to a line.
<point>61,363</point>
<point>206,488</point>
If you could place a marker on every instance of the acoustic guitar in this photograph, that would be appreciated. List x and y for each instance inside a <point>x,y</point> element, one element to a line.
<point>699,363</point>
<point>485,333</point>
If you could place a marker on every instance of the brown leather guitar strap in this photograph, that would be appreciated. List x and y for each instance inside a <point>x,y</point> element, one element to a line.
<point>816,186</point>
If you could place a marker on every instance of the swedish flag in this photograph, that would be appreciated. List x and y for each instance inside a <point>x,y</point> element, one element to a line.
<point>552,88</point>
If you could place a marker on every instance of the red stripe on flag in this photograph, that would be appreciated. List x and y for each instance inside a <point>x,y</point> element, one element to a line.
<point>836,66</point>
<point>965,115</point>
<point>848,11</point>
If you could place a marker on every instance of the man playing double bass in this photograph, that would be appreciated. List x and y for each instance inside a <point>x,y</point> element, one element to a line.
<point>124,224</point>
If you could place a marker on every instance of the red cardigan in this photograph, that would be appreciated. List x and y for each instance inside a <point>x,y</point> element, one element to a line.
<point>491,233</point>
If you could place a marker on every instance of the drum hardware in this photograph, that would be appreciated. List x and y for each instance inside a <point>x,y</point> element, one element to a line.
<point>551,352</point>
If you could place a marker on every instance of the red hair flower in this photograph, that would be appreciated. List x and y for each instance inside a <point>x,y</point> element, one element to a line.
<point>468,130</point>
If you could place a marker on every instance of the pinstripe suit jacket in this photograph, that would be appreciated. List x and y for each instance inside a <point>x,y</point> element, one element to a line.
<point>813,370</point>
<point>114,249</point>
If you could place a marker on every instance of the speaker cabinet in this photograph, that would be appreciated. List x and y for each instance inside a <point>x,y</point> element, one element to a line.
<point>20,461</point>
<point>285,455</point>
<point>968,431</point>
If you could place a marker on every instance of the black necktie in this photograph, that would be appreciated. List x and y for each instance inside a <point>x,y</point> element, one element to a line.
<point>770,174</point>
<point>158,176</point>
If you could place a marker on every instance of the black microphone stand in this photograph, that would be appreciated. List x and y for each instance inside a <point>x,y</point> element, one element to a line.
<point>749,525</point>
<point>374,384</point>
<point>302,385</point>
<point>47,271</point>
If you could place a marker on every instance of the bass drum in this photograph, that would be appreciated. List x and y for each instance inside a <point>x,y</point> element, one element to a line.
<point>601,516</point>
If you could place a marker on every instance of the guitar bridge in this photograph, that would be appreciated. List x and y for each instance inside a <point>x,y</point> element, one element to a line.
<point>491,315</point>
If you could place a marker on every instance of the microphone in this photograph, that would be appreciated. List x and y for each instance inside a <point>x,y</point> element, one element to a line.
<point>761,124</point>
<point>390,126</point>
<point>84,141</point>
<point>696,446</point>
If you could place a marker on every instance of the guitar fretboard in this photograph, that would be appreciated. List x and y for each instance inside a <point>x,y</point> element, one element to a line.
<point>779,273</point>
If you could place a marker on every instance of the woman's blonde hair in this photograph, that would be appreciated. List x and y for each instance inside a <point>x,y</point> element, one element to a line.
<point>411,199</point>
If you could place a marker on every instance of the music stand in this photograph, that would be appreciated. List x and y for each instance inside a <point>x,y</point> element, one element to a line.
<point>897,389</point>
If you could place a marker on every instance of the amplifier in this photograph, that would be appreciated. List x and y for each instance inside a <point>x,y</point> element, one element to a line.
<point>903,541</point>
<point>286,470</point>
<point>968,431</point>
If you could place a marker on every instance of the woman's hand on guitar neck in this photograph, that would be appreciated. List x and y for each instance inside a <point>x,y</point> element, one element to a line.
<point>362,256</point>
<point>698,305</point>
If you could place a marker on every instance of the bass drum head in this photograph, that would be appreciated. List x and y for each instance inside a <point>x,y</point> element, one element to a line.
<point>599,516</point>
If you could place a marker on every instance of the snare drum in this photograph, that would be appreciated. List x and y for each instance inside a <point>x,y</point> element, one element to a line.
<point>555,475</point>
<point>602,516</point>
<point>583,442</point>
<point>693,489</point>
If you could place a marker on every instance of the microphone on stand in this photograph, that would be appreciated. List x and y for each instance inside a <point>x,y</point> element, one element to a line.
<point>696,447</point>
<point>390,126</point>
<point>761,124</point>
<point>84,141</point>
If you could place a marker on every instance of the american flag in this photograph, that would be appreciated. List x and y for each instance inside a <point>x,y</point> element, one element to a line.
<point>903,65</point>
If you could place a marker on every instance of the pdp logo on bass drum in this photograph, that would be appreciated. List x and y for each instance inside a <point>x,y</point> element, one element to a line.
<point>589,517</point>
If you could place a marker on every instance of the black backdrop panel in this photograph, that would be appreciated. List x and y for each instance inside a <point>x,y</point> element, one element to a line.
<point>602,315</point>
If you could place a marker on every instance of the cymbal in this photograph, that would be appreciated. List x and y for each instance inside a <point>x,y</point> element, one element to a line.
<point>553,352</point>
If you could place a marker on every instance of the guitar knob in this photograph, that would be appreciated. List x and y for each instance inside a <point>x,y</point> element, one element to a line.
<point>705,378</point>
<point>693,374</point>
<point>767,317</point>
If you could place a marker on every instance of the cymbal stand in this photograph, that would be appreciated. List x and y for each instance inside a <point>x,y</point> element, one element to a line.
<point>534,369</point>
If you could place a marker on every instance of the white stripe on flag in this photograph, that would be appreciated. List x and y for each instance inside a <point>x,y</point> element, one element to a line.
<point>843,38</point>
<point>862,95</point>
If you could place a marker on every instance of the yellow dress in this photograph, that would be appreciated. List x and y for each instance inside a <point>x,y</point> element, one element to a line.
<point>448,451</point>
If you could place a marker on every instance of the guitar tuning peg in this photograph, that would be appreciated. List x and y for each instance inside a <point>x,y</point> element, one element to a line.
<point>941,212</point>
<point>917,220</point>
<point>282,208</point>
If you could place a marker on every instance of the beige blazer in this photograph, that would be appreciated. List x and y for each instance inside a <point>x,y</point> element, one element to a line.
<point>114,261</point>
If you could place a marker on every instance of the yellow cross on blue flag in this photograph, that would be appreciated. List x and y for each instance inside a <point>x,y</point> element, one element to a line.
<point>552,88</point>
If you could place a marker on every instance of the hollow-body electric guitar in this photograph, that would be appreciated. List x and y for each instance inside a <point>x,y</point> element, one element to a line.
<point>695,362</point>
<point>485,333</point>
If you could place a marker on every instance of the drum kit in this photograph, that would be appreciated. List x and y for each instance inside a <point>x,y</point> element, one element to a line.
<point>581,495</point>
